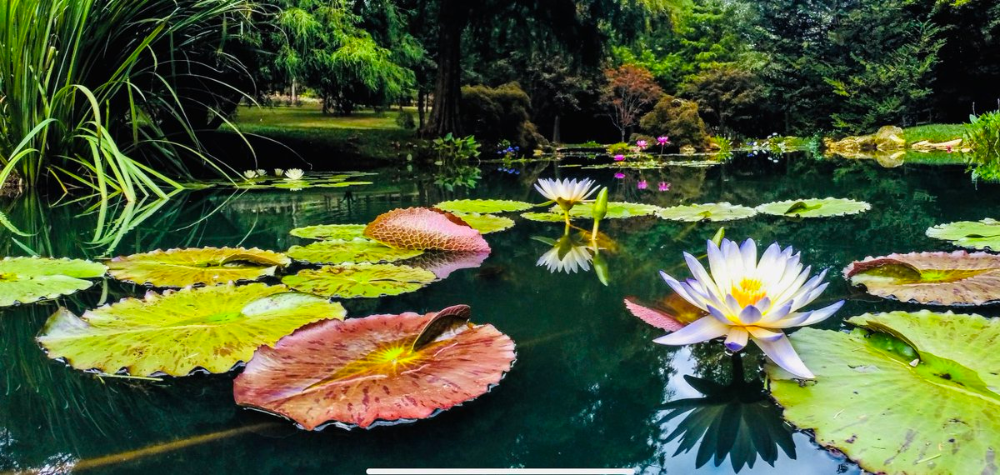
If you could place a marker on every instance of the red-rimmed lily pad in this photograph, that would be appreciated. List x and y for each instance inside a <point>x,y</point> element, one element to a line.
<point>381,369</point>
<point>178,268</point>
<point>427,229</point>
<point>934,278</point>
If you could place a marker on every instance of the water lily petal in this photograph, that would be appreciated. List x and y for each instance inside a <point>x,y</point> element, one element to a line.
<point>777,314</point>
<point>721,317</point>
<point>765,334</point>
<point>717,263</point>
<point>749,251</point>
<point>750,315</point>
<point>781,352</point>
<point>682,290</point>
<point>737,339</point>
<point>822,314</point>
<point>703,329</point>
<point>699,273</point>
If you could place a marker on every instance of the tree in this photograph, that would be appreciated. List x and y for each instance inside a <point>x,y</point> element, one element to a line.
<point>729,97</point>
<point>630,92</point>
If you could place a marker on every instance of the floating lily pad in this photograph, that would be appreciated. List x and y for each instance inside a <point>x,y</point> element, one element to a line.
<point>918,396</point>
<point>616,210</point>
<point>360,280</point>
<point>356,251</point>
<point>330,232</point>
<point>424,228</point>
<point>442,264</point>
<point>213,328</point>
<point>983,234</point>
<point>544,217</point>
<point>935,278</point>
<point>483,206</point>
<point>814,207</point>
<point>377,370</point>
<point>707,212</point>
<point>30,279</point>
<point>197,266</point>
<point>487,223</point>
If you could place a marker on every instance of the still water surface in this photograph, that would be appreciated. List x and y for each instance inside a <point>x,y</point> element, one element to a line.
<point>589,389</point>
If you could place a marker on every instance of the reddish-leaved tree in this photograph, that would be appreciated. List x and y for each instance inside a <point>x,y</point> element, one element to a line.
<point>630,92</point>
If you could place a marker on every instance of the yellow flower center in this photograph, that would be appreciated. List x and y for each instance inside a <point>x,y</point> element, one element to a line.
<point>748,292</point>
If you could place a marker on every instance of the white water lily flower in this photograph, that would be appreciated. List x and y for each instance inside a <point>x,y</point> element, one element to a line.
<point>567,257</point>
<point>261,172</point>
<point>279,172</point>
<point>250,174</point>
<point>567,192</point>
<point>294,174</point>
<point>747,299</point>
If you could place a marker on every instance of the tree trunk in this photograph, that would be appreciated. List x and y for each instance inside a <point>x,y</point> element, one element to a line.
<point>295,98</point>
<point>556,135</point>
<point>452,18</point>
<point>421,108</point>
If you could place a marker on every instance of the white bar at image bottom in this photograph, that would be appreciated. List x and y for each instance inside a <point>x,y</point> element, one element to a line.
<point>501,471</point>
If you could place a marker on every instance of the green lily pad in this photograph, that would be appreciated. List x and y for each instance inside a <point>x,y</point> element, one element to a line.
<point>814,207</point>
<point>30,279</point>
<point>707,212</point>
<point>544,217</point>
<point>983,234</point>
<point>935,278</point>
<point>330,232</point>
<point>616,210</point>
<point>360,280</point>
<point>487,223</point>
<point>177,268</point>
<point>356,251</point>
<point>483,206</point>
<point>213,328</point>
<point>917,396</point>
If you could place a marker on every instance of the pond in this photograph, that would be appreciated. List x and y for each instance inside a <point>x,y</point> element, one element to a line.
<point>588,389</point>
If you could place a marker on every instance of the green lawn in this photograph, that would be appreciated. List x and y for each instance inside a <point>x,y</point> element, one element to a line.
<point>362,134</point>
<point>934,132</point>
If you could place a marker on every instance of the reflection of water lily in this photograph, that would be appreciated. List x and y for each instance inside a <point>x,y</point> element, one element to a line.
<point>619,158</point>
<point>664,186</point>
<point>619,175</point>
<point>294,174</point>
<point>566,256</point>
<point>566,193</point>
<point>642,185</point>
<point>746,299</point>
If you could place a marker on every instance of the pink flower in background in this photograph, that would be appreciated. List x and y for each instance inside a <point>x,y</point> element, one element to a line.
<point>619,157</point>
<point>642,144</point>
<point>642,185</point>
<point>664,186</point>
<point>663,140</point>
<point>619,175</point>
<point>949,149</point>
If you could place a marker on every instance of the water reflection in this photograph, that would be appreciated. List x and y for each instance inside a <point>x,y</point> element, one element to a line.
<point>568,254</point>
<point>735,420</point>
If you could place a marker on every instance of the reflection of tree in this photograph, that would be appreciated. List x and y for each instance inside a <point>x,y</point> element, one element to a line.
<point>737,420</point>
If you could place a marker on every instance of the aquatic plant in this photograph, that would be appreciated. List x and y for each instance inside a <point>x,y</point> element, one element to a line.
<point>918,390</point>
<point>983,234</point>
<point>814,207</point>
<point>425,228</point>
<point>614,210</point>
<point>706,212</point>
<point>330,232</point>
<point>619,158</point>
<point>567,255</point>
<point>178,268</point>
<point>360,280</point>
<point>982,135</point>
<point>663,186</point>
<point>750,300</point>
<point>354,251</point>
<point>934,278</point>
<point>417,365</point>
<point>98,94</point>
<point>483,206</point>
<point>30,279</point>
<point>566,193</point>
<point>486,223</point>
<point>211,328</point>
<point>294,174</point>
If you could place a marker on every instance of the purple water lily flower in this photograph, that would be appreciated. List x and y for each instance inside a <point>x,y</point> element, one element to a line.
<point>664,186</point>
<point>619,158</point>
<point>642,144</point>
<point>642,185</point>
<point>619,175</point>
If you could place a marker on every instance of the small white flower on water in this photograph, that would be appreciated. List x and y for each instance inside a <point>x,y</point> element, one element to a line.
<point>261,172</point>
<point>294,174</point>
<point>566,192</point>
<point>750,300</point>
<point>279,172</point>
<point>250,174</point>
<point>566,257</point>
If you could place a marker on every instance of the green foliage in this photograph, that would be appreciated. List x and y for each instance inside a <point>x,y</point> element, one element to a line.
<point>678,119</point>
<point>934,132</point>
<point>498,114</point>
<point>725,145</point>
<point>983,136</point>
<point>620,148</point>
<point>728,97</point>
<point>451,149</point>
<point>405,120</point>
<point>109,95</point>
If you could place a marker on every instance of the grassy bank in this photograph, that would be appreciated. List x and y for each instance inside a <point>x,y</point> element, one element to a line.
<point>307,130</point>
<point>934,133</point>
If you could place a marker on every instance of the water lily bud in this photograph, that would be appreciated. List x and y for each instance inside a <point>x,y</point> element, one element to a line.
<point>601,205</point>
<point>721,233</point>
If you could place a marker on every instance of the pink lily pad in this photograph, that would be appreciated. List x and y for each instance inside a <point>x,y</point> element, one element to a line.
<point>377,370</point>
<point>934,278</point>
<point>425,229</point>
<point>653,316</point>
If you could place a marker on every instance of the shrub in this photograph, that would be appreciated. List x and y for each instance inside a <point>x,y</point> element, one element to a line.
<point>620,148</point>
<point>405,120</point>
<point>501,113</point>
<point>453,150</point>
<point>678,119</point>
<point>983,137</point>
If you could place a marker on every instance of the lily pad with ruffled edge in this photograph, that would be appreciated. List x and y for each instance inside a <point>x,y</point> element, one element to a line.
<point>814,207</point>
<point>178,268</point>
<point>377,370</point>
<point>483,206</point>
<point>983,234</point>
<point>30,279</point>
<point>330,232</point>
<point>934,278</point>
<point>360,280</point>
<point>707,212</point>
<point>426,229</point>
<point>544,217</point>
<point>919,395</point>
<point>616,210</point>
<point>487,223</point>
<point>211,328</point>
<point>355,251</point>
